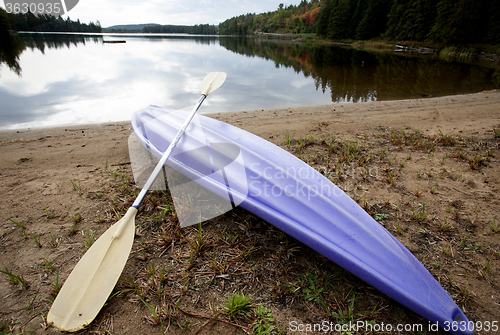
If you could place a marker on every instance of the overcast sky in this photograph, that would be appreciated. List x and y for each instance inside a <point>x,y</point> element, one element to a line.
<point>178,12</point>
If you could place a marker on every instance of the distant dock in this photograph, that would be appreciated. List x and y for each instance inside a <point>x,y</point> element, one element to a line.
<point>120,41</point>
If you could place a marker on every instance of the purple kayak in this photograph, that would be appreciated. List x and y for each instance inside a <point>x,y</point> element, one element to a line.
<point>286,192</point>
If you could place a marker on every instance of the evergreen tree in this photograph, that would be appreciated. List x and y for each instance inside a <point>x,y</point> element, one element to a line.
<point>47,23</point>
<point>411,20</point>
<point>426,18</point>
<point>395,19</point>
<point>374,21</point>
<point>4,24</point>
<point>327,11</point>
<point>458,22</point>
<point>339,21</point>
<point>493,23</point>
<point>360,7</point>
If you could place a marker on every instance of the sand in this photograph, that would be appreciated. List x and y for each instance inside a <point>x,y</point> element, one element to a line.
<point>60,185</point>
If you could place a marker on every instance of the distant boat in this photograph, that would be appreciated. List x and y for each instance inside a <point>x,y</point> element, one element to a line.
<point>120,41</point>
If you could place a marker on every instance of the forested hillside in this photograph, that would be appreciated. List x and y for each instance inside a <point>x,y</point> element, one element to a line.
<point>450,22</point>
<point>444,21</point>
<point>204,29</point>
<point>127,28</point>
<point>45,22</point>
<point>291,19</point>
<point>353,19</point>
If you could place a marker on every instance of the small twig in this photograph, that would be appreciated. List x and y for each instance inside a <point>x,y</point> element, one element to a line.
<point>201,327</point>
<point>210,318</point>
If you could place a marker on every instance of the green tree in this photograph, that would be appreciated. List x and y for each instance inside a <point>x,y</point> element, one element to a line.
<point>4,23</point>
<point>395,18</point>
<point>458,22</point>
<point>411,20</point>
<point>493,23</point>
<point>340,20</point>
<point>10,46</point>
<point>374,21</point>
<point>356,18</point>
<point>327,11</point>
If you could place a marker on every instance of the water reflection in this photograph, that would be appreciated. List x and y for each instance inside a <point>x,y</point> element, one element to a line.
<point>59,41</point>
<point>76,79</point>
<point>10,49</point>
<point>359,76</point>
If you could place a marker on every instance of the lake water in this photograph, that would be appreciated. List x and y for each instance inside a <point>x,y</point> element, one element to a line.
<point>62,79</point>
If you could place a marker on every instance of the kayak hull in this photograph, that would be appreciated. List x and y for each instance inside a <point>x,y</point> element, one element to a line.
<point>294,197</point>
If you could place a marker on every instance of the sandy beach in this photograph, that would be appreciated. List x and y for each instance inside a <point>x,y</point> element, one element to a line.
<point>430,168</point>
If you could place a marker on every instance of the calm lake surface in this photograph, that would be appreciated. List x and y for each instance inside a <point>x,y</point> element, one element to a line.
<point>62,79</point>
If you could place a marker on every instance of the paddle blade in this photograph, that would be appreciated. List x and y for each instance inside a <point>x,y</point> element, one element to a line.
<point>212,82</point>
<point>94,277</point>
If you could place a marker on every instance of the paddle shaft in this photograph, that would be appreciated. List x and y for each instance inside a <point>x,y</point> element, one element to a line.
<point>210,83</point>
<point>167,154</point>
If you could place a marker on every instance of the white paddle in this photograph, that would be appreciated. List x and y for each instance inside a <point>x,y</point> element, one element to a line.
<point>94,277</point>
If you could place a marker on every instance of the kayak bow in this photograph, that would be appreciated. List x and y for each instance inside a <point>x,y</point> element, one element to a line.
<point>291,195</point>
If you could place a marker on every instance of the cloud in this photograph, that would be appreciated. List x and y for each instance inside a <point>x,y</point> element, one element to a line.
<point>191,12</point>
<point>96,82</point>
